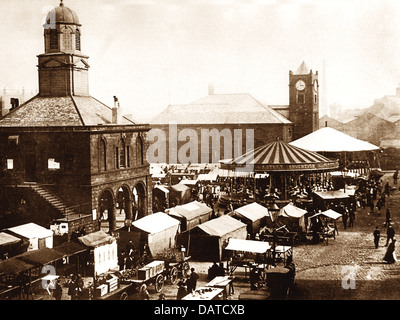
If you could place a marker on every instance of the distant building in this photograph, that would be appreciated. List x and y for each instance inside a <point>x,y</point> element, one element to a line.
<point>10,99</point>
<point>225,121</point>
<point>65,155</point>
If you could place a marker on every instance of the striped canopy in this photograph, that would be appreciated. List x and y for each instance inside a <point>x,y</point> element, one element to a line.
<point>280,156</point>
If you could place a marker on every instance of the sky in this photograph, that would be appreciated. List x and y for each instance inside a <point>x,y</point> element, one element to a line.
<point>152,53</point>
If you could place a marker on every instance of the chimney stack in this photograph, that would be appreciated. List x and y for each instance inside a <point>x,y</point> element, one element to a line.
<point>115,111</point>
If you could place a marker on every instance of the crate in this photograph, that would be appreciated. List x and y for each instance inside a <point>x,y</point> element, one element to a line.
<point>102,290</point>
<point>112,283</point>
<point>150,270</point>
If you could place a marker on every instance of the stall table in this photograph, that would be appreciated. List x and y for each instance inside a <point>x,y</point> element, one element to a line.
<point>223,282</point>
<point>205,293</point>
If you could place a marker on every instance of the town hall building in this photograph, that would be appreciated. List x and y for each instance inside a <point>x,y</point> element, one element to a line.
<point>65,155</point>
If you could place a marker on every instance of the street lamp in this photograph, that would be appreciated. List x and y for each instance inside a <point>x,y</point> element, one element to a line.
<point>344,175</point>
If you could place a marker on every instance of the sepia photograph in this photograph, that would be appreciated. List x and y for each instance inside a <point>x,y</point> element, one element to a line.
<point>213,152</point>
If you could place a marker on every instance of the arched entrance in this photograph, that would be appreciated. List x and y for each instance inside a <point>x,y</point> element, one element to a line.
<point>124,207</point>
<point>138,202</point>
<point>107,211</point>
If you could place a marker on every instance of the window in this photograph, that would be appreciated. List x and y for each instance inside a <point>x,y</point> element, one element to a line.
<point>52,164</point>
<point>10,164</point>
<point>139,151</point>
<point>103,155</point>
<point>116,158</point>
<point>128,157</point>
<point>67,39</point>
<point>315,99</point>
<point>301,98</point>
<point>53,39</point>
<point>122,155</point>
<point>78,40</point>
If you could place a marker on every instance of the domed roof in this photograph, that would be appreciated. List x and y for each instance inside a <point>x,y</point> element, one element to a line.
<point>62,14</point>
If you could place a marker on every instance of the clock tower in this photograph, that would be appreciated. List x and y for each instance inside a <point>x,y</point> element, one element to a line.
<point>303,101</point>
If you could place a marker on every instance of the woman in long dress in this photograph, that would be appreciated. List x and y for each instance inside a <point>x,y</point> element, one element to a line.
<point>390,256</point>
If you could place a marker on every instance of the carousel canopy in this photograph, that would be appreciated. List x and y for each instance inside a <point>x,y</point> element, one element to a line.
<point>280,156</point>
<point>331,140</point>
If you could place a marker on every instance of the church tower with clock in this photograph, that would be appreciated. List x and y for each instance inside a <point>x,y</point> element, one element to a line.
<point>303,101</point>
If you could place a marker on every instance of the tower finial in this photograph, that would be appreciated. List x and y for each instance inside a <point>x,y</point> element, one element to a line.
<point>61,3</point>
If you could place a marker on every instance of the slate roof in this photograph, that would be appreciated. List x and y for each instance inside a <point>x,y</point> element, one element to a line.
<point>221,109</point>
<point>60,111</point>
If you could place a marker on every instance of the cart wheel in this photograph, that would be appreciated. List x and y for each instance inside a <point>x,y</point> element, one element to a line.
<point>159,284</point>
<point>123,296</point>
<point>185,269</point>
<point>173,275</point>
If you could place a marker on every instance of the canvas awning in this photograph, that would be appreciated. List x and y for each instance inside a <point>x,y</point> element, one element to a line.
<point>8,239</point>
<point>41,257</point>
<point>14,266</point>
<point>70,248</point>
<point>248,246</point>
<point>154,223</point>
<point>332,195</point>
<point>280,156</point>
<point>190,210</point>
<point>207,177</point>
<point>328,213</point>
<point>188,182</point>
<point>331,140</point>
<point>253,211</point>
<point>221,226</point>
<point>96,239</point>
<point>291,211</point>
<point>162,188</point>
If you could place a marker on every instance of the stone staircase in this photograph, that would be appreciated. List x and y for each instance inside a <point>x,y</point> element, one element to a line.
<point>52,199</point>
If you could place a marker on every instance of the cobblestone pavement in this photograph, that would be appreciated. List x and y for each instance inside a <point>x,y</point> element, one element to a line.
<point>326,272</point>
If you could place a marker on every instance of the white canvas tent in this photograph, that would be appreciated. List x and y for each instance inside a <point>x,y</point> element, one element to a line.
<point>161,231</point>
<point>38,236</point>
<point>191,214</point>
<point>254,215</point>
<point>290,211</point>
<point>331,140</point>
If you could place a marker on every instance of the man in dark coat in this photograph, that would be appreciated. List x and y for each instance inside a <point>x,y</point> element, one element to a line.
<point>377,235</point>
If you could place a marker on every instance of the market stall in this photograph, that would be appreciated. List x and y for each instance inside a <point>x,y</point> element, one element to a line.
<point>158,232</point>
<point>11,245</point>
<point>293,217</point>
<point>327,225</point>
<point>207,240</point>
<point>38,236</point>
<point>190,214</point>
<point>179,194</point>
<point>253,215</point>
<point>104,250</point>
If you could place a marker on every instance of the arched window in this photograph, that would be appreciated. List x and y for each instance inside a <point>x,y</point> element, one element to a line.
<point>78,40</point>
<point>103,155</point>
<point>53,38</point>
<point>67,38</point>
<point>139,151</point>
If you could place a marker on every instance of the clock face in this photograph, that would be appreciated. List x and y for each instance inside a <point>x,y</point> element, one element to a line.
<point>300,85</point>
